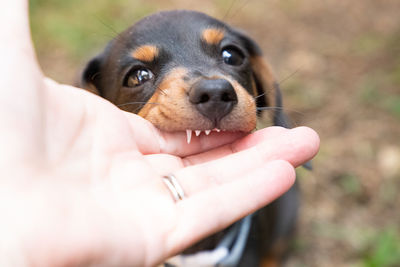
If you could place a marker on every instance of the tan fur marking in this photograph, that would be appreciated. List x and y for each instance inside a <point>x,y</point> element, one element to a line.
<point>243,116</point>
<point>170,97</point>
<point>147,108</point>
<point>213,36</point>
<point>275,255</point>
<point>270,262</point>
<point>145,53</point>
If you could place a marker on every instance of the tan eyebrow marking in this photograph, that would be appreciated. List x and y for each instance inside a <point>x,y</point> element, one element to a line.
<point>145,53</point>
<point>213,36</point>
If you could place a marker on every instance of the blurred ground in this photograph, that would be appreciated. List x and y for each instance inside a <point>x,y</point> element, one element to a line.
<point>339,63</point>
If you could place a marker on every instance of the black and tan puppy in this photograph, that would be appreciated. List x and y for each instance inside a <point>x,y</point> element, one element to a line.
<point>185,71</point>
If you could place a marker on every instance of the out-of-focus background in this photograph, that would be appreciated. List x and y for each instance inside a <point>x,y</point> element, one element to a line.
<point>339,66</point>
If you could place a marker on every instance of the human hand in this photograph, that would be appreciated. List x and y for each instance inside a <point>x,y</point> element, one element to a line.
<point>81,179</point>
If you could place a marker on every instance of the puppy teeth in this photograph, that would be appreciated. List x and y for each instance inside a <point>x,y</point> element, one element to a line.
<point>198,132</point>
<point>188,135</point>
<point>216,130</point>
<point>207,132</point>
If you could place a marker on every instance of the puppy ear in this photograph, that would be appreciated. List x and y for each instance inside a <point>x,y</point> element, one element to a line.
<point>90,79</point>
<point>267,86</point>
<point>267,92</point>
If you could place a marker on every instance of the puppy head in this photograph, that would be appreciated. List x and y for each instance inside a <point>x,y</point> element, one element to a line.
<point>183,70</point>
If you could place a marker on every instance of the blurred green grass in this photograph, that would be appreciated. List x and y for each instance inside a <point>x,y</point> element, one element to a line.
<point>373,94</point>
<point>380,86</point>
<point>76,27</point>
<point>385,249</point>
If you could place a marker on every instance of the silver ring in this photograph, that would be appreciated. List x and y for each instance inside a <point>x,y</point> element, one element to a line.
<point>174,187</point>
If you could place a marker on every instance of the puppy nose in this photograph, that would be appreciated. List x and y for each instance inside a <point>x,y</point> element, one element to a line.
<point>213,98</point>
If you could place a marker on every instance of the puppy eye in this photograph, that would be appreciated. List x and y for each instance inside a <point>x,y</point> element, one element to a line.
<point>232,56</point>
<point>137,77</point>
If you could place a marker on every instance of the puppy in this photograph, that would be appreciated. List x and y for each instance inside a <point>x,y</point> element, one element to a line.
<point>185,71</point>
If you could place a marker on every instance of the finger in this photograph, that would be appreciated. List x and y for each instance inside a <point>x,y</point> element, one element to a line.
<point>218,207</point>
<point>295,146</point>
<point>18,57</point>
<point>14,28</point>
<point>241,144</point>
<point>17,51</point>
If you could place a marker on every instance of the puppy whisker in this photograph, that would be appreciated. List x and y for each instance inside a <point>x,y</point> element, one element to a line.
<point>263,94</point>
<point>241,8</point>
<point>106,25</point>
<point>289,76</point>
<point>281,81</point>
<point>162,92</point>
<point>229,10</point>
<point>137,103</point>
<point>280,108</point>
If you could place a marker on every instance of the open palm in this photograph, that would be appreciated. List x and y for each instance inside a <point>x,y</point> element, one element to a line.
<point>85,177</point>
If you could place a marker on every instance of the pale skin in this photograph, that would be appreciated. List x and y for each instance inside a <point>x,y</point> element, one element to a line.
<point>81,180</point>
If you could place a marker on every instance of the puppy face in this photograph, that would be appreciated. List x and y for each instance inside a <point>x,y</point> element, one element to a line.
<point>184,70</point>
